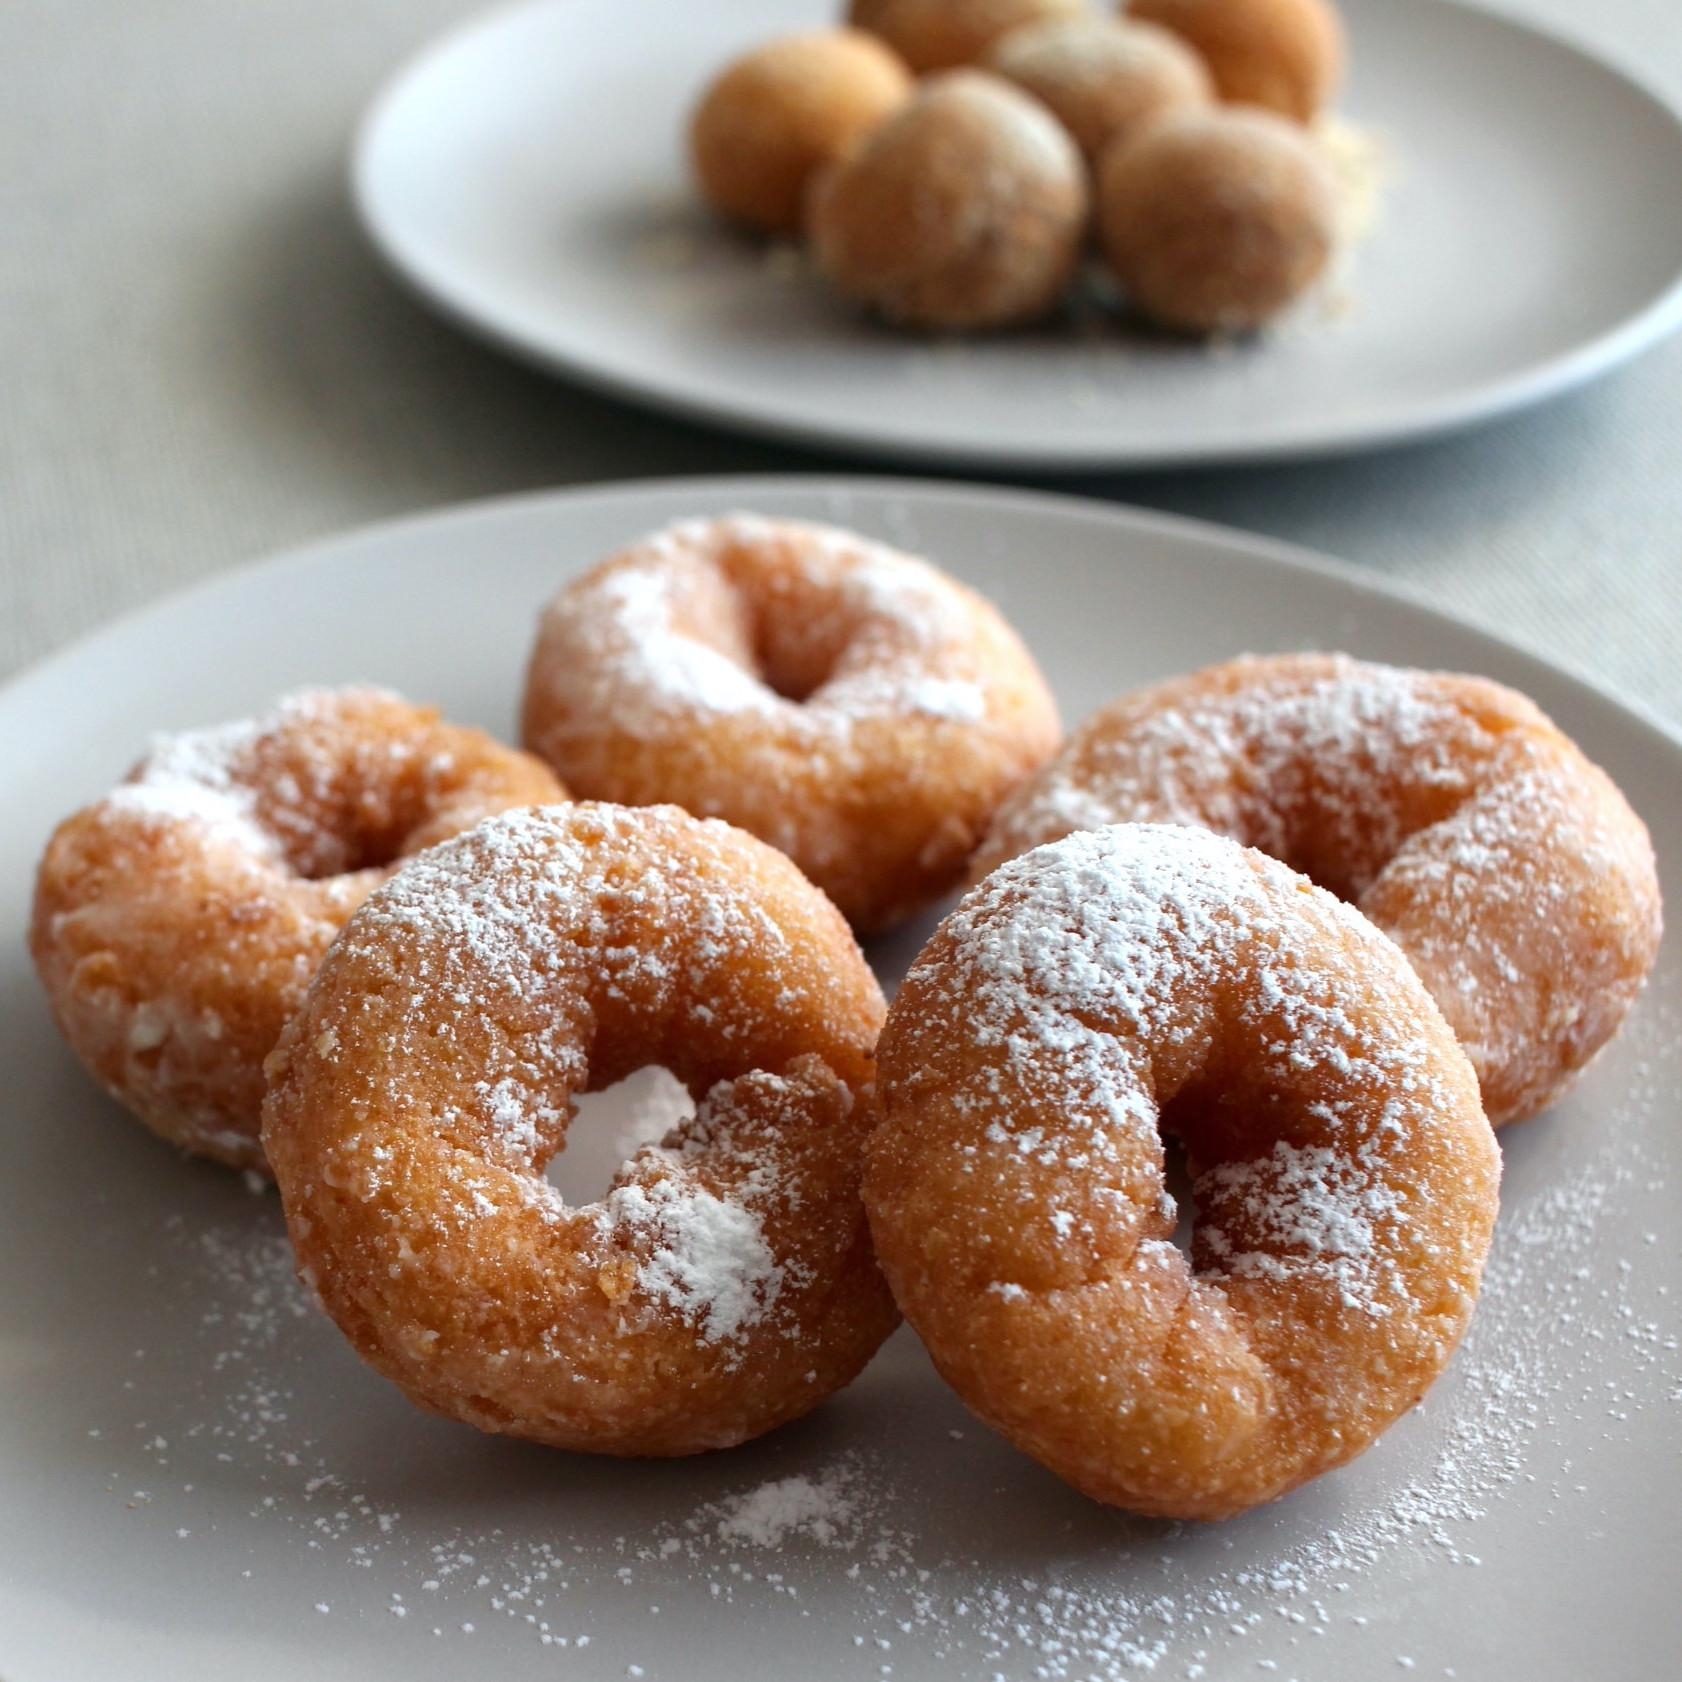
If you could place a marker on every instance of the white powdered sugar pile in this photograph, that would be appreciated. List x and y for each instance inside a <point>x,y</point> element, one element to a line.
<point>707,1258</point>
<point>772,1513</point>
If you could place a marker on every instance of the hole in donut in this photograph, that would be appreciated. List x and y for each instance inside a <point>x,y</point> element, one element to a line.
<point>794,673</point>
<point>610,1126</point>
<point>1177,1182</point>
<point>321,844</point>
<point>796,645</point>
<point>344,855</point>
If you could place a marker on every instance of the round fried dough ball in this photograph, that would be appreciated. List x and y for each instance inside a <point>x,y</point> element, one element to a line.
<point>1287,55</point>
<point>1104,78</point>
<point>942,34</point>
<point>1216,221</point>
<point>966,210</point>
<point>779,113</point>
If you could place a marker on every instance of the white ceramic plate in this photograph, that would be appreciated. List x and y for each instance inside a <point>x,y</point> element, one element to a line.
<point>526,175</point>
<point>198,1478</point>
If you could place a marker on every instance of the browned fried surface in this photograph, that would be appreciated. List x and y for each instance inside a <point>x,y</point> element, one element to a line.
<point>1286,55</point>
<point>966,210</point>
<point>851,705</point>
<point>178,921</point>
<point>1106,79</point>
<point>941,34</point>
<point>779,113</point>
<point>1509,868</point>
<point>1082,998</point>
<point>1216,220</point>
<point>726,1283</point>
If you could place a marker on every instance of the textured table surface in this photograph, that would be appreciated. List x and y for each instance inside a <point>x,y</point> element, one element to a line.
<point>201,362</point>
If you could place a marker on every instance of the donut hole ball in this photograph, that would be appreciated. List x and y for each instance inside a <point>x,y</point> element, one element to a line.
<point>1216,221</point>
<point>1285,55</point>
<point>780,113</point>
<point>967,210</point>
<point>1104,79</point>
<point>943,34</point>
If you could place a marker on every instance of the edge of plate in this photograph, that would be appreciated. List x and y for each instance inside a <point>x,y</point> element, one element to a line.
<point>1603,354</point>
<point>1244,547</point>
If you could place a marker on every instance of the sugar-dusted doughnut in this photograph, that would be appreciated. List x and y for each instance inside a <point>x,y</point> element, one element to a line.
<point>849,704</point>
<point>965,211</point>
<point>1106,79</point>
<point>1085,998</point>
<point>775,116</point>
<point>1509,868</point>
<point>1216,220</point>
<point>1285,55</point>
<point>725,1283</point>
<point>178,920</point>
<point>942,34</point>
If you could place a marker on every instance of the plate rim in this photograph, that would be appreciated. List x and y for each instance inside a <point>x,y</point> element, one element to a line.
<point>1257,556</point>
<point>1602,354</point>
<point>1244,547</point>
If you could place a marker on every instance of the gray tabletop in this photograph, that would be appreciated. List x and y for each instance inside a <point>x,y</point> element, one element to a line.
<point>202,362</point>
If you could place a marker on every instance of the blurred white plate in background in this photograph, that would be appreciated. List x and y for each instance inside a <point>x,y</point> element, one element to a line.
<point>526,175</point>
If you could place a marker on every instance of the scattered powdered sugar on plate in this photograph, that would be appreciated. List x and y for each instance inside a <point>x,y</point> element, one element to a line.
<point>890,1535</point>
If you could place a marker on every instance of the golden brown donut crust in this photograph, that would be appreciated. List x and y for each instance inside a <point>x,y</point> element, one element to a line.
<point>725,1284</point>
<point>777,115</point>
<point>1509,868</point>
<point>851,705</point>
<point>1216,220</point>
<point>1082,999</point>
<point>178,921</point>
<point>943,34</point>
<point>966,211</point>
<point>1105,79</point>
<point>1284,55</point>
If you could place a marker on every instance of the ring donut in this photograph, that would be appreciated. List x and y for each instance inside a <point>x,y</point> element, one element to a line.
<point>178,920</point>
<point>850,705</point>
<point>1508,867</point>
<point>725,1283</point>
<point>1088,996</point>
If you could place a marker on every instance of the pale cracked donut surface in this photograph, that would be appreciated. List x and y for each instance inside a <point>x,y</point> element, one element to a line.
<point>1504,863</point>
<point>178,920</point>
<point>725,1282</point>
<point>1080,1001</point>
<point>851,705</point>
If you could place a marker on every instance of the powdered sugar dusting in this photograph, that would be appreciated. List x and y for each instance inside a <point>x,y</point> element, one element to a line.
<point>1310,1206</point>
<point>662,634</point>
<point>1446,807</point>
<point>710,1261</point>
<point>1299,758</point>
<point>1082,955</point>
<point>208,777</point>
<point>893,1531</point>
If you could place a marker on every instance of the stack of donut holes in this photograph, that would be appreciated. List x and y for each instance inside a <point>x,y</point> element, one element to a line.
<point>1314,923</point>
<point>950,163</point>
